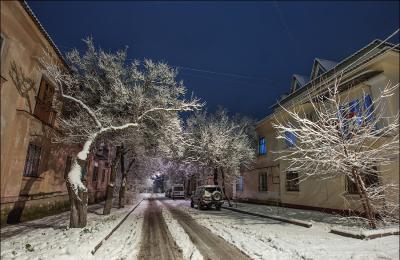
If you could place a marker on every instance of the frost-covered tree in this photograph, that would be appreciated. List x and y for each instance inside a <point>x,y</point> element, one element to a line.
<point>350,138</point>
<point>222,143</point>
<point>103,94</point>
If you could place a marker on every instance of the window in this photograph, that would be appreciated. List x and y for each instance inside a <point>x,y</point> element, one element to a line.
<point>312,116</point>
<point>239,183</point>
<point>262,147</point>
<point>292,181</point>
<point>262,184</point>
<point>95,174</point>
<point>103,178</point>
<point>351,186</point>
<point>355,113</point>
<point>32,160</point>
<point>370,179</point>
<point>368,107</point>
<point>44,101</point>
<point>290,139</point>
<point>67,168</point>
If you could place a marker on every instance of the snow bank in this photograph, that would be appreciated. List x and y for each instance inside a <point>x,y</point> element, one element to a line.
<point>183,241</point>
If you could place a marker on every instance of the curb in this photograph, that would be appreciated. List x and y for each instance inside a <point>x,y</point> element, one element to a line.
<point>361,235</point>
<point>115,228</point>
<point>290,221</point>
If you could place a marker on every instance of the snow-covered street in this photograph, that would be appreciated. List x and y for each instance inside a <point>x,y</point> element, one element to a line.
<point>161,228</point>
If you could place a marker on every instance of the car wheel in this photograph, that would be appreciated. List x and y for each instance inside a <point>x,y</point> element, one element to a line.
<point>191,204</point>
<point>218,207</point>
<point>199,206</point>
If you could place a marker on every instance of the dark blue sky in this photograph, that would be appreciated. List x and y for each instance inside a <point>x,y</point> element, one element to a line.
<point>250,49</point>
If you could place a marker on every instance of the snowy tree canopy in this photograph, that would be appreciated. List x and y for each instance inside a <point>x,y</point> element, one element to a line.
<point>335,135</point>
<point>216,140</point>
<point>103,93</point>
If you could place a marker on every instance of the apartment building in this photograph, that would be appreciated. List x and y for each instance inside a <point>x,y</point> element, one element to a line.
<point>33,168</point>
<point>367,72</point>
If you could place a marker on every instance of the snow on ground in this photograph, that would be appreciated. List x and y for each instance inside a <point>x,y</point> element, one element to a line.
<point>182,239</point>
<point>270,239</point>
<point>124,243</point>
<point>322,220</point>
<point>50,237</point>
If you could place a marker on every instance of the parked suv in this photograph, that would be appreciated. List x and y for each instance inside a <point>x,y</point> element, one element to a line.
<point>207,196</point>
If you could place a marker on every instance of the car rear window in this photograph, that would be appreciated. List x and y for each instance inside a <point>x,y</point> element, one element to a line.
<point>212,189</point>
<point>178,188</point>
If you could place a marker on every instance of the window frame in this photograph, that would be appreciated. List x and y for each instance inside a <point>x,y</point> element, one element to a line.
<point>293,139</point>
<point>263,175</point>
<point>33,160</point>
<point>239,184</point>
<point>292,184</point>
<point>369,180</point>
<point>95,174</point>
<point>262,146</point>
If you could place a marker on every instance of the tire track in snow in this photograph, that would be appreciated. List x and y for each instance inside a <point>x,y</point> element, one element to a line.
<point>262,246</point>
<point>157,242</point>
<point>182,239</point>
<point>210,245</point>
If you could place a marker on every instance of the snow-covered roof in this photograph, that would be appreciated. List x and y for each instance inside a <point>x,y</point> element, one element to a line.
<point>43,31</point>
<point>301,79</point>
<point>327,64</point>
<point>298,81</point>
<point>363,55</point>
<point>320,66</point>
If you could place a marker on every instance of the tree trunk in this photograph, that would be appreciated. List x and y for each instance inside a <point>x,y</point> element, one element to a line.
<point>121,202</point>
<point>215,176</point>
<point>111,183</point>
<point>223,187</point>
<point>364,198</point>
<point>78,207</point>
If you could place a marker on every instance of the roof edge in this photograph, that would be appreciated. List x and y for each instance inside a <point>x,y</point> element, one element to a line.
<point>30,12</point>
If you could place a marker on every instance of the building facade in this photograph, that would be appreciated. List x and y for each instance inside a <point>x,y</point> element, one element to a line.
<point>33,169</point>
<point>368,71</point>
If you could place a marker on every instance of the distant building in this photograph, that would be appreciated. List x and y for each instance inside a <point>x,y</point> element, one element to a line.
<point>369,70</point>
<point>33,169</point>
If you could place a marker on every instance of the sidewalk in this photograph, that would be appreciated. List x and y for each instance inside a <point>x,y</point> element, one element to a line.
<point>58,221</point>
<point>318,219</point>
<point>50,237</point>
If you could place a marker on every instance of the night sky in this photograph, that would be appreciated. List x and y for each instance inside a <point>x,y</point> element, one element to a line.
<point>240,55</point>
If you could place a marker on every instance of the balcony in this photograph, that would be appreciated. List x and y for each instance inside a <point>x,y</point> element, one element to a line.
<point>45,113</point>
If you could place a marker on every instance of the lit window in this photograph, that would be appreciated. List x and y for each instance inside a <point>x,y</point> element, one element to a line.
<point>290,139</point>
<point>262,147</point>
<point>368,107</point>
